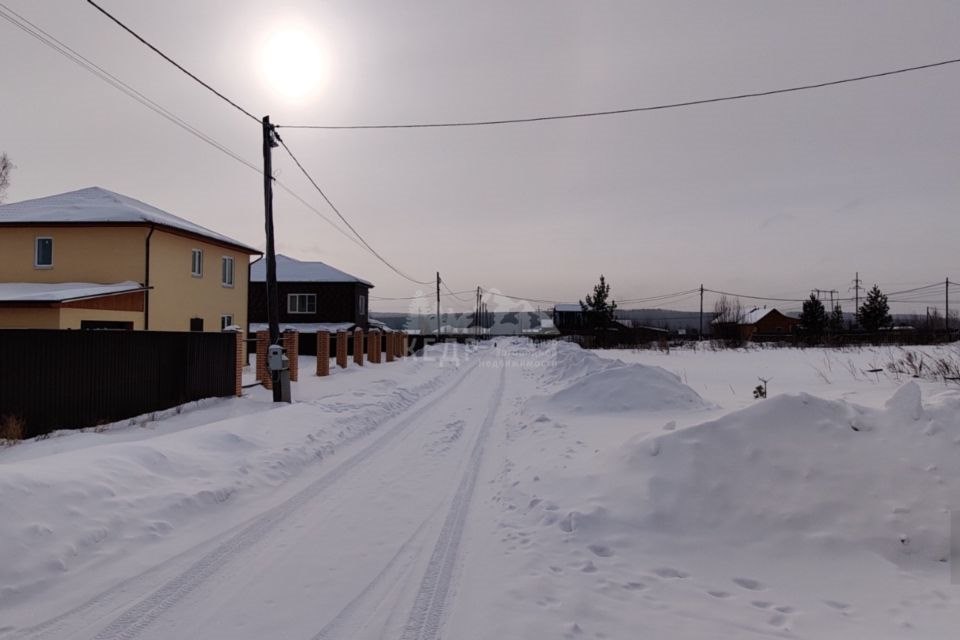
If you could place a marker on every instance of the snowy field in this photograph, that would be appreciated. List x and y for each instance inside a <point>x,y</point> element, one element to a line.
<point>505,491</point>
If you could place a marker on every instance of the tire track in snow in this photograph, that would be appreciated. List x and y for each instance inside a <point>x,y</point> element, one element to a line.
<point>131,622</point>
<point>377,590</point>
<point>430,603</point>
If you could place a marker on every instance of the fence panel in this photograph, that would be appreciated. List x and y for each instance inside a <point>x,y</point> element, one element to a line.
<point>54,379</point>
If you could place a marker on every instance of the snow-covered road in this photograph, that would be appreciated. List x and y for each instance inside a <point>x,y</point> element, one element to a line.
<point>509,490</point>
<point>368,548</point>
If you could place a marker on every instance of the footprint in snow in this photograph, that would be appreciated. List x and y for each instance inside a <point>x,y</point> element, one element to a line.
<point>749,583</point>
<point>839,606</point>
<point>719,594</point>
<point>669,572</point>
<point>600,550</point>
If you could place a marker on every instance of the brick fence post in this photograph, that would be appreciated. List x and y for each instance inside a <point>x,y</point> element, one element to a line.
<point>263,374</point>
<point>404,344</point>
<point>358,346</point>
<point>238,366</point>
<point>398,345</point>
<point>391,345</point>
<point>291,342</point>
<point>373,346</point>
<point>323,353</point>
<point>342,349</point>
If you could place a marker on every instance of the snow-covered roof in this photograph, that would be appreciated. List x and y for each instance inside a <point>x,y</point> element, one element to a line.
<point>568,307</point>
<point>61,291</point>
<point>292,270</point>
<point>753,316</point>
<point>95,204</point>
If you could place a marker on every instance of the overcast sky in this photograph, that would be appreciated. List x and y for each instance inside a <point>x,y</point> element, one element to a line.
<point>772,196</point>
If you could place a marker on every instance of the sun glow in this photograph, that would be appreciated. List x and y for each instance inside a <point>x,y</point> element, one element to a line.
<point>292,63</point>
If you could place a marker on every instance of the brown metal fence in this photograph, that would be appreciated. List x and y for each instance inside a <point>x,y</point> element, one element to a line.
<point>51,379</point>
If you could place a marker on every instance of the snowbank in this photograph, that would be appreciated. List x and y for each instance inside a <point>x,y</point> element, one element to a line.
<point>792,466</point>
<point>634,387</point>
<point>600,385</point>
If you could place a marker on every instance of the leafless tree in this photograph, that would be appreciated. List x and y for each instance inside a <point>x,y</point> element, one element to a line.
<point>6,167</point>
<point>728,313</point>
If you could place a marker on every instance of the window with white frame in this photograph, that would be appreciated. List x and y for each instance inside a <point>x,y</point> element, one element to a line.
<point>196,263</point>
<point>43,253</point>
<point>226,320</point>
<point>226,271</point>
<point>362,305</point>
<point>302,303</point>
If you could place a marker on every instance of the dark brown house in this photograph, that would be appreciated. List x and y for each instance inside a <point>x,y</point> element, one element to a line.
<point>760,323</point>
<point>311,294</point>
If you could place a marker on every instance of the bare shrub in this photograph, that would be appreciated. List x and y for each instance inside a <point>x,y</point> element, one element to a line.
<point>12,429</point>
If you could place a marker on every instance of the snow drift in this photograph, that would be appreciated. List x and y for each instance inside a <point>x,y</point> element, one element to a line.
<point>598,385</point>
<point>830,472</point>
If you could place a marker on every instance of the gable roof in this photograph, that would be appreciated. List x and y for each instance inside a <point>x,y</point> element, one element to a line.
<point>292,270</point>
<point>755,315</point>
<point>97,205</point>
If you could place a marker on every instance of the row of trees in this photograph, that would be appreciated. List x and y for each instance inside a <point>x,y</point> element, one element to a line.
<point>873,315</point>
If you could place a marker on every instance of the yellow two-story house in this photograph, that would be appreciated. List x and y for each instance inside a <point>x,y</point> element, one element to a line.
<point>95,259</point>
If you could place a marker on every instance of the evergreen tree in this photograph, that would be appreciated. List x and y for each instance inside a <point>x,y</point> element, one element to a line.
<point>813,320</point>
<point>875,312</point>
<point>835,322</point>
<point>598,312</point>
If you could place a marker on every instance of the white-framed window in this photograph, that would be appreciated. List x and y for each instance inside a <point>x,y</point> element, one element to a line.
<point>43,252</point>
<point>226,320</point>
<point>226,271</point>
<point>302,303</point>
<point>196,263</point>
<point>362,305</point>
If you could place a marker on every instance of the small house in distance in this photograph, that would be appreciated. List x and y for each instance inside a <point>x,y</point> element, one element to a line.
<point>313,295</point>
<point>763,322</point>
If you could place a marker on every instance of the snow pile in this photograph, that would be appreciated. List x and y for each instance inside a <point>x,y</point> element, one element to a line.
<point>599,385</point>
<point>829,472</point>
<point>568,362</point>
<point>634,387</point>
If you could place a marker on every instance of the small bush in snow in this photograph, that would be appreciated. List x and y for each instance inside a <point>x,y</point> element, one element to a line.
<point>11,429</point>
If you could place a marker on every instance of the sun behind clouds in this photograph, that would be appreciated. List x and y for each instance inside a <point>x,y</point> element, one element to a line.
<point>292,62</point>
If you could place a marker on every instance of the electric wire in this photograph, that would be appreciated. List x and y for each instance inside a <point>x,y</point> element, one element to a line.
<point>51,41</point>
<point>37,32</point>
<point>173,62</point>
<point>444,285</point>
<point>345,221</point>
<point>613,112</point>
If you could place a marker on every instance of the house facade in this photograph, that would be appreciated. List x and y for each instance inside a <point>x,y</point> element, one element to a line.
<point>311,293</point>
<point>97,259</point>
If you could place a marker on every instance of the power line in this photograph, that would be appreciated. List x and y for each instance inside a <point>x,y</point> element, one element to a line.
<point>444,284</point>
<point>250,115</point>
<point>345,221</point>
<point>420,297</point>
<point>612,112</point>
<point>88,65</point>
<point>174,62</point>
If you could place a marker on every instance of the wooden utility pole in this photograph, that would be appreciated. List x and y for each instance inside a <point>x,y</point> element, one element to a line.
<point>701,313</point>
<point>438,306</point>
<point>946,307</point>
<point>273,296</point>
